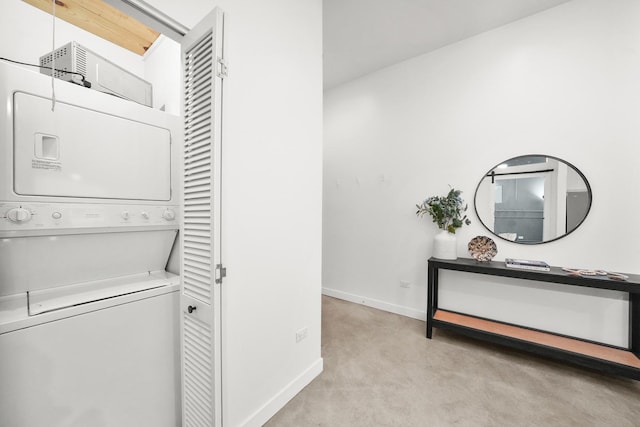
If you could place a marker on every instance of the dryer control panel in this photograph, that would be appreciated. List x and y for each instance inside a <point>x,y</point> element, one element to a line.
<point>54,216</point>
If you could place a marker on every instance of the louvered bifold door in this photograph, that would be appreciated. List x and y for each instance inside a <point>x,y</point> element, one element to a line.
<point>201,280</point>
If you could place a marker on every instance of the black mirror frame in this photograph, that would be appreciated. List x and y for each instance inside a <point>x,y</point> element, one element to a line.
<point>488,173</point>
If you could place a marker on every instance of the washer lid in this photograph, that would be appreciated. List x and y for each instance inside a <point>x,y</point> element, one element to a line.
<point>68,296</point>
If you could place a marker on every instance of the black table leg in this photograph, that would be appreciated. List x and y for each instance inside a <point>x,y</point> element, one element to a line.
<point>634,318</point>
<point>431,281</point>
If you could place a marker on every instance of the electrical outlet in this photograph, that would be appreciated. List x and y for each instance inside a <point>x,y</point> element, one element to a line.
<point>301,334</point>
<point>405,284</point>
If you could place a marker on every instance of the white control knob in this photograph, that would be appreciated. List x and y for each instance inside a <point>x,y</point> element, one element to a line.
<point>145,215</point>
<point>125,214</point>
<point>56,215</point>
<point>19,215</point>
<point>169,215</point>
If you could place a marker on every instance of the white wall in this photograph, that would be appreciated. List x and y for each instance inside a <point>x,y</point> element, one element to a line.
<point>272,174</point>
<point>272,199</point>
<point>162,68</point>
<point>272,204</point>
<point>563,82</point>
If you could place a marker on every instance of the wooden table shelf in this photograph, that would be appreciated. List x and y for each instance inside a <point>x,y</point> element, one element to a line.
<point>613,360</point>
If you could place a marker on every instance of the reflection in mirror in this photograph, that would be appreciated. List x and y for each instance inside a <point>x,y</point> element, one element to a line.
<point>533,199</point>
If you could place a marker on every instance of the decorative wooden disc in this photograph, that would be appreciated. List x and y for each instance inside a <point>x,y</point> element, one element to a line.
<point>482,248</point>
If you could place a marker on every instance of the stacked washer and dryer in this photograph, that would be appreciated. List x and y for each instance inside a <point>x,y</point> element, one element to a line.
<point>89,285</point>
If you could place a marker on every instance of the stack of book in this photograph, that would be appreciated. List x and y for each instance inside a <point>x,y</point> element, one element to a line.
<point>527,264</point>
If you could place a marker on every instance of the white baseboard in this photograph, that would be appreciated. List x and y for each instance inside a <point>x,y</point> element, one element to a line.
<point>380,305</point>
<point>262,415</point>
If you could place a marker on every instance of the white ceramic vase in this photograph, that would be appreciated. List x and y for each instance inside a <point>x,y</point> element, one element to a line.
<point>444,245</point>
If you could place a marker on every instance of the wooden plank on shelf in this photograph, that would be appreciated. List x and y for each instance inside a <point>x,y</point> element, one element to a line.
<point>103,20</point>
<point>547,339</point>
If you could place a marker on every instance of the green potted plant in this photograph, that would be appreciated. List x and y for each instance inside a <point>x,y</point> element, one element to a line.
<point>448,212</point>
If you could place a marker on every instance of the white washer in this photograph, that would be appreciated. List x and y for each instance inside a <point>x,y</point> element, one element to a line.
<point>112,362</point>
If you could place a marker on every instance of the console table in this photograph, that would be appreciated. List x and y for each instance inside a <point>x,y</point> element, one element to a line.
<point>614,360</point>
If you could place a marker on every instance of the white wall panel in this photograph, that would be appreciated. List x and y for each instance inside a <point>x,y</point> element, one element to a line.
<point>563,82</point>
<point>271,199</point>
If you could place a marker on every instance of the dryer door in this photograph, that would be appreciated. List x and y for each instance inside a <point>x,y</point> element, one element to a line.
<point>78,152</point>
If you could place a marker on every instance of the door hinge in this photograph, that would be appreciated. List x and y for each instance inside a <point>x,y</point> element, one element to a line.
<point>222,70</point>
<point>221,272</point>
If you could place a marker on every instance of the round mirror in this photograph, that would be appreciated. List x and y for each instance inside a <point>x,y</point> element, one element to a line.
<point>532,199</point>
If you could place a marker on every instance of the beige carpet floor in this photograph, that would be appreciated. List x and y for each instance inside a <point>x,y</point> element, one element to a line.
<point>380,370</point>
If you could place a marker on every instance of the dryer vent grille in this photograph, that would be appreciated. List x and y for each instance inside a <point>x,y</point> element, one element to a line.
<point>61,63</point>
